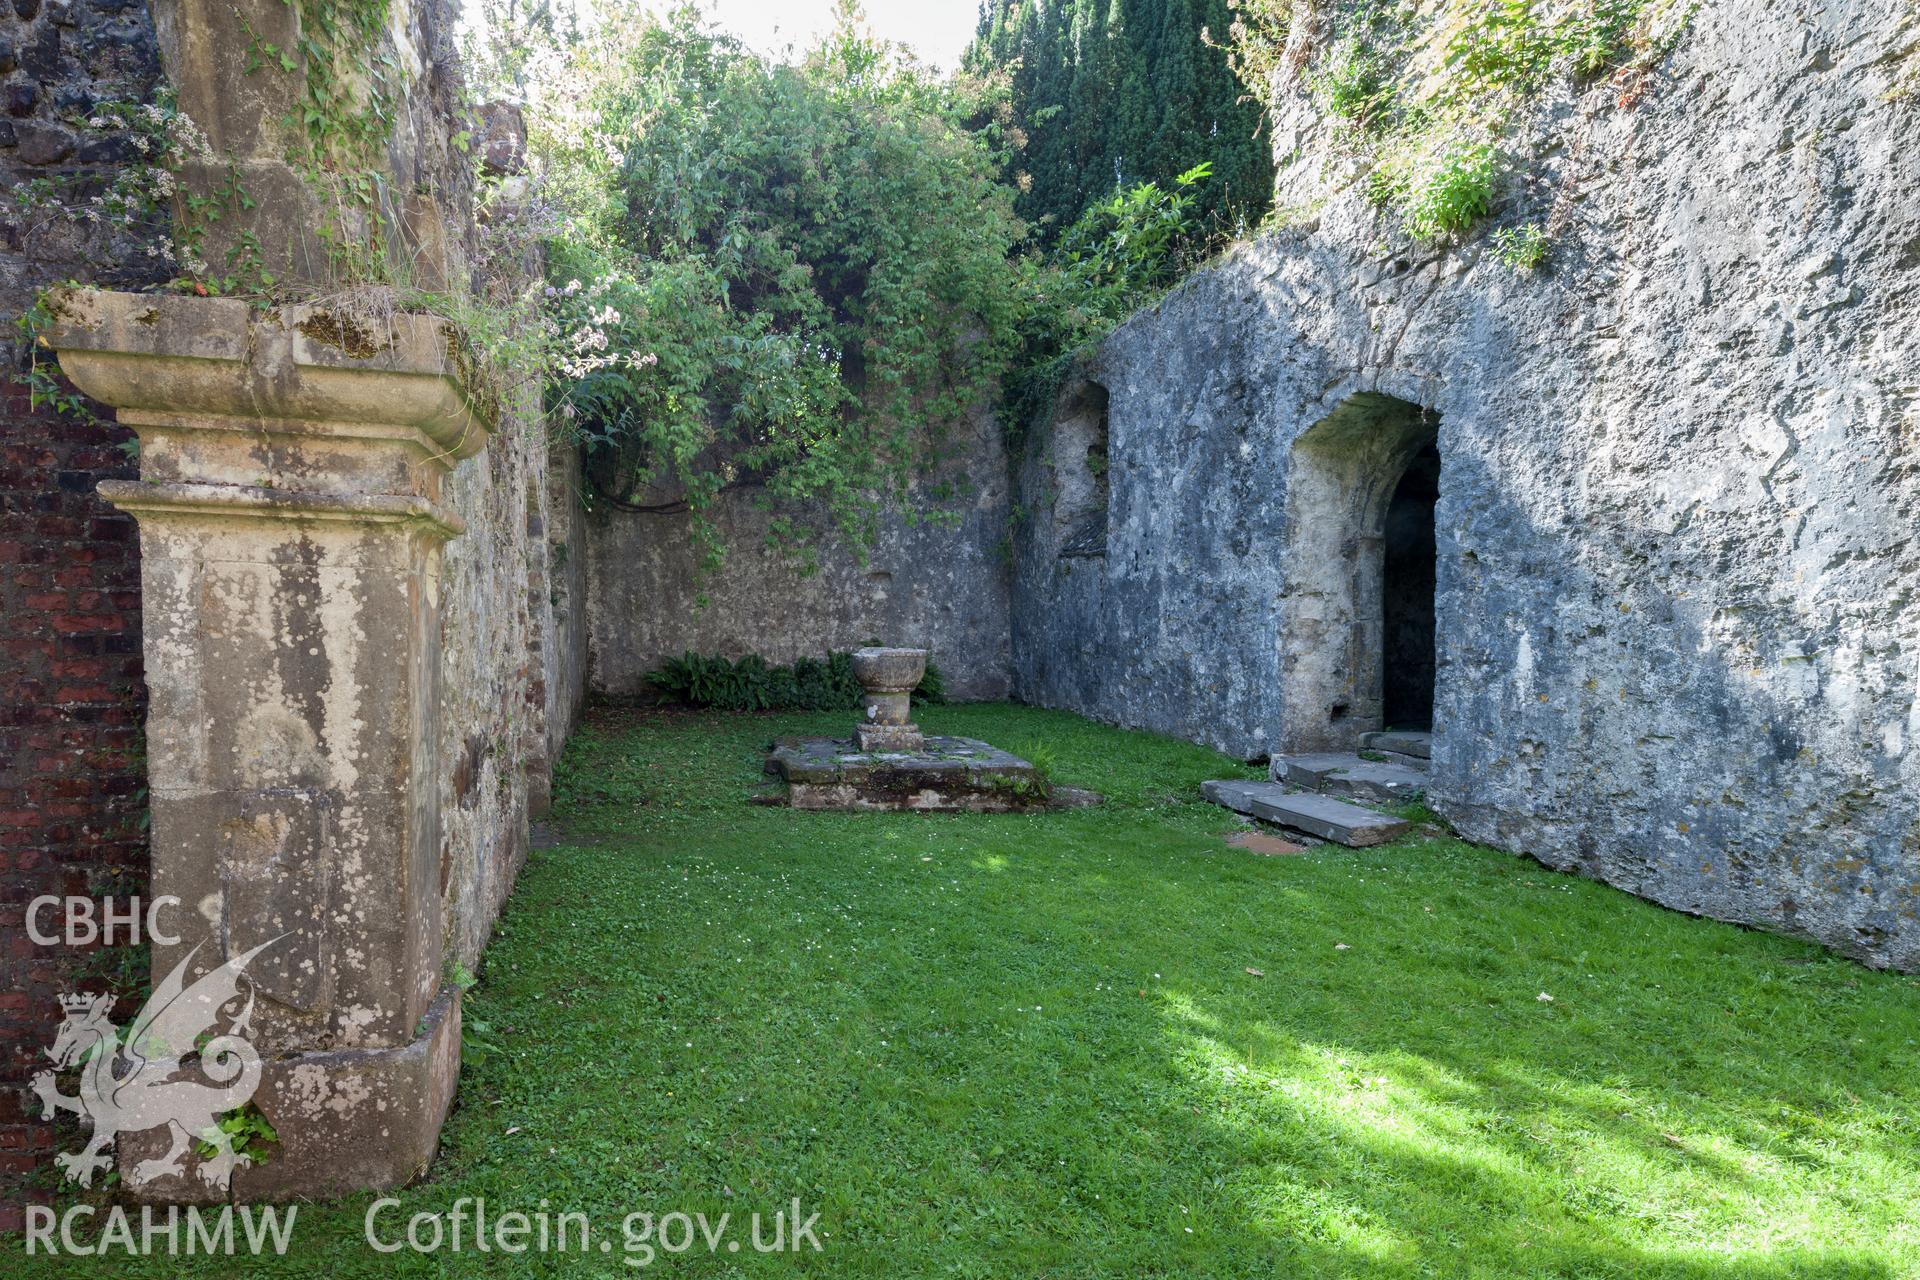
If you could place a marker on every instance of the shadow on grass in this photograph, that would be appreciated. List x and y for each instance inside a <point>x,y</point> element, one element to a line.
<point>1354,1157</point>
<point>1100,1043</point>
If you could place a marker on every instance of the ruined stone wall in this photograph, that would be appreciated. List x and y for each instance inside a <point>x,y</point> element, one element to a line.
<point>1677,565</point>
<point>71,700</point>
<point>939,583</point>
<point>511,674</point>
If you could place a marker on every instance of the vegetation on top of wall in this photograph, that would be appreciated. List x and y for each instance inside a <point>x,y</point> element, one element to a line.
<point>130,209</point>
<point>792,280</point>
<point>753,684</point>
<point>1432,92</point>
<point>1119,254</point>
<point>340,130</point>
<point>175,189</point>
<point>787,278</point>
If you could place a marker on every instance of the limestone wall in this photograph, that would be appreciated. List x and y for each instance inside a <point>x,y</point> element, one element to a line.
<point>941,584</point>
<point>511,675</point>
<point>1677,565</point>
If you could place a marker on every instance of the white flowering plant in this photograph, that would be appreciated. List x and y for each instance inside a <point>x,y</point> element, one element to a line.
<point>135,203</point>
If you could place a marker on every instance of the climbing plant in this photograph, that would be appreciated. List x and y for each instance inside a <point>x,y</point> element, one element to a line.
<point>1118,254</point>
<point>784,279</point>
<point>340,122</point>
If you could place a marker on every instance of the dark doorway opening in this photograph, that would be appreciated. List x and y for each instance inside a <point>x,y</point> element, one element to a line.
<point>1407,596</point>
<point>1354,573</point>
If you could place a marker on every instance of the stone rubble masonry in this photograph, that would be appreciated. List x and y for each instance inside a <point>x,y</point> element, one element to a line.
<point>57,63</point>
<point>941,586</point>
<point>1678,647</point>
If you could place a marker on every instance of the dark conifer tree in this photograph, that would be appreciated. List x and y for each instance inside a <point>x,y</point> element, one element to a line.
<point>1113,92</point>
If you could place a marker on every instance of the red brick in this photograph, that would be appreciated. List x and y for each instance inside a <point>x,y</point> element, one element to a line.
<point>83,693</point>
<point>70,705</point>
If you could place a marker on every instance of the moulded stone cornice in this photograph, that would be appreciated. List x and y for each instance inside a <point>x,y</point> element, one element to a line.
<point>144,498</point>
<point>168,357</point>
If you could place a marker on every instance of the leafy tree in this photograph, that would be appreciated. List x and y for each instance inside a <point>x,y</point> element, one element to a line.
<point>779,278</point>
<point>504,40</point>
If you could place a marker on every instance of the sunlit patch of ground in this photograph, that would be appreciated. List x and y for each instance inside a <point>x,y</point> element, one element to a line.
<point>1023,1046</point>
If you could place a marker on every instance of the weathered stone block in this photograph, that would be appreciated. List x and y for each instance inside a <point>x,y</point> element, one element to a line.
<point>1317,815</point>
<point>888,737</point>
<point>1340,773</point>
<point>346,1121</point>
<point>946,774</point>
<point>1400,743</point>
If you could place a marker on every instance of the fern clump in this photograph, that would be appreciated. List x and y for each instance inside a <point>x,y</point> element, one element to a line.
<point>754,684</point>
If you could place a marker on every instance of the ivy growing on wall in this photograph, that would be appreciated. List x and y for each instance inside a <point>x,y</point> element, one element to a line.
<point>340,122</point>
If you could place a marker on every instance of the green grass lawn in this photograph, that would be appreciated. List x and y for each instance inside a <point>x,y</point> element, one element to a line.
<point>1035,1045</point>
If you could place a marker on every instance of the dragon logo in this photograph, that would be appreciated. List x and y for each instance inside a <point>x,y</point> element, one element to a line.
<point>131,1086</point>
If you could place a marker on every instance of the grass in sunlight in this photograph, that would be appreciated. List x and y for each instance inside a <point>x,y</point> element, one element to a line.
<point>1103,1043</point>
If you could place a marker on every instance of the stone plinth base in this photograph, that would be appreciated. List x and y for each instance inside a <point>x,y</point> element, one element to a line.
<point>871,738</point>
<point>946,774</point>
<point>352,1120</point>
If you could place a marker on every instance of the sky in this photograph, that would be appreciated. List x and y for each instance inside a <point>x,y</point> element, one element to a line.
<point>937,30</point>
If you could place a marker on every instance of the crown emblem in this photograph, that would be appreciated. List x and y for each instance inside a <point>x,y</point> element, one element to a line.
<point>81,1001</point>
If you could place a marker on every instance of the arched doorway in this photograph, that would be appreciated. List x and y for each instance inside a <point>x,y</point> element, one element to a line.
<point>1344,483</point>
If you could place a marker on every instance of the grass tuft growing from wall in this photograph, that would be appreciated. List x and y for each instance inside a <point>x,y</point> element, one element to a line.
<point>1432,94</point>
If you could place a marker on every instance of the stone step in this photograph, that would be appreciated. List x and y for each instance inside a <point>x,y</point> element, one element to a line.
<point>1401,742</point>
<point>1341,773</point>
<point>1317,815</point>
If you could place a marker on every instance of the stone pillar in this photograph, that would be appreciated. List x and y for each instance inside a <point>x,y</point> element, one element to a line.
<point>291,523</point>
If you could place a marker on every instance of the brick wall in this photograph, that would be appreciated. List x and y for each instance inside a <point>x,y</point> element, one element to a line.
<point>71,766</point>
<point>71,763</point>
